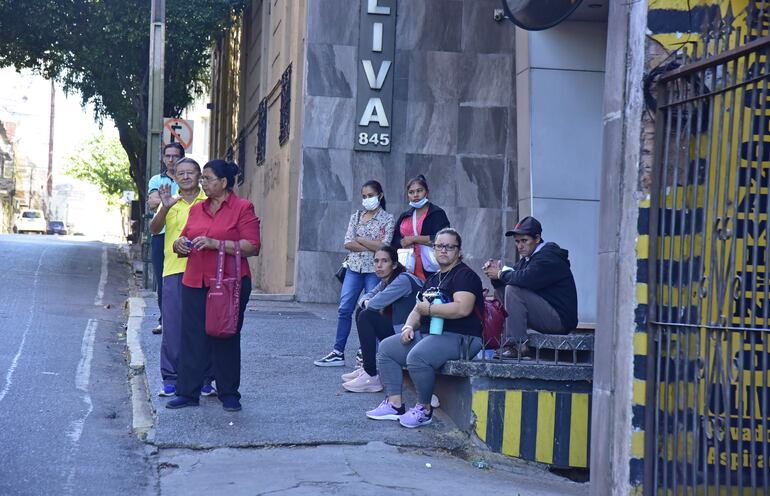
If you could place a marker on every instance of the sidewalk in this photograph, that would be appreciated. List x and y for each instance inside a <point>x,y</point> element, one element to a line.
<point>302,414</point>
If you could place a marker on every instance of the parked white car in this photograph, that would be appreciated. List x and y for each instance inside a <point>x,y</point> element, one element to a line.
<point>30,221</point>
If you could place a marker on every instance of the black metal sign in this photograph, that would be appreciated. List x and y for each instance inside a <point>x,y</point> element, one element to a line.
<point>376,54</point>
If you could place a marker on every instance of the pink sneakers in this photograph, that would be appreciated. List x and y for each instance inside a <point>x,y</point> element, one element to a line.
<point>364,383</point>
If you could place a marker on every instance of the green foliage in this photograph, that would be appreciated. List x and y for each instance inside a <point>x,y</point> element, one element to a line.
<point>102,161</point>
<point>100,49</point>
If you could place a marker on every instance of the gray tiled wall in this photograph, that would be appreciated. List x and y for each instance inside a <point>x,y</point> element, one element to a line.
<point>453,121</point>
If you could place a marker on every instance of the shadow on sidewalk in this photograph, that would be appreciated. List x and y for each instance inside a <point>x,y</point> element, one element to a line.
<point>286,399</point>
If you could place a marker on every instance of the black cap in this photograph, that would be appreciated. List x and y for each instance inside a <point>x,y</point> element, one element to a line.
<point>527,225</point>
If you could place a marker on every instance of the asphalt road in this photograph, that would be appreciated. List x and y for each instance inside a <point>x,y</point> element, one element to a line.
<point>65,414</point>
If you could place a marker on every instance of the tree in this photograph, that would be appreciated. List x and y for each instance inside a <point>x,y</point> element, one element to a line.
<point>100,49</point>
<point>102,161</point>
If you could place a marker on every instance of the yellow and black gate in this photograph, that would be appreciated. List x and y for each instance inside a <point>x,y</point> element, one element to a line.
<point>709,302</point>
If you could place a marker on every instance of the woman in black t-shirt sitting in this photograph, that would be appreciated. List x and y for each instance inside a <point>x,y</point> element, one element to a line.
<point>450,294</point>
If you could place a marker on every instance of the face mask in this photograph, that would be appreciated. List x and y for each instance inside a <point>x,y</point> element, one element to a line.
<point>370,203</point>
<point>419,204</point>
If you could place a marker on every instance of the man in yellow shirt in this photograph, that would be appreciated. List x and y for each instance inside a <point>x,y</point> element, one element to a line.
<point>172,215</point>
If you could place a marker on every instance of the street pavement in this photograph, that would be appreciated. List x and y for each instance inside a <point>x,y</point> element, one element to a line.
<point>65,418</point>
<point>300,433</point>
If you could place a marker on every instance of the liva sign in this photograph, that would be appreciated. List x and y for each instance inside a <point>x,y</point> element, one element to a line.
<point>376,52</point>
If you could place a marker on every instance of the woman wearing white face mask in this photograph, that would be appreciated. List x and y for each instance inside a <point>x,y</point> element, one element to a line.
<point>367,230</point>
<point>417,227</point>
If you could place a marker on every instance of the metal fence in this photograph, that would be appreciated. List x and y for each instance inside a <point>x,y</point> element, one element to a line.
<point>709,362</point>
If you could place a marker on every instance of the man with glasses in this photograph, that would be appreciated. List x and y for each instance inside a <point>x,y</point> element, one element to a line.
<point>538,292</point>
<point>172,216</point>
<point>171,154</point>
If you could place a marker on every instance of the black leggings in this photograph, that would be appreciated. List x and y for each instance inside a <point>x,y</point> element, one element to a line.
<point>372,326</point>
<point>197,347</point>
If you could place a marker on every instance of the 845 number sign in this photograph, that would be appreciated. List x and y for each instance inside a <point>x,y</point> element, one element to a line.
<point>377,139</point>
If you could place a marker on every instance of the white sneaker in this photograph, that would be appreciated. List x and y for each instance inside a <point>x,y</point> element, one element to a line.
<point>364,383</point>
<point>349,376</point>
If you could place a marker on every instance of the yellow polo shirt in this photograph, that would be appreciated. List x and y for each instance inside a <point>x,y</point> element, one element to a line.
<point>176,218</point>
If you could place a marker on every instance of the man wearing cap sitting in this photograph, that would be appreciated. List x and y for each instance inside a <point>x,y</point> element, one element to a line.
<point>538,292</point>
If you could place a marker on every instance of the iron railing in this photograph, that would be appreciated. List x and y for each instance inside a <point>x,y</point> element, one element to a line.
<point>708,364</point>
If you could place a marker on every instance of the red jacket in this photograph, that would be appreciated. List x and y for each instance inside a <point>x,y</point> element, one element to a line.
<point>235,220</point>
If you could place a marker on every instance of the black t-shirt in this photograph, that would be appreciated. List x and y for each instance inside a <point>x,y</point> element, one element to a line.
<point>460,278</point>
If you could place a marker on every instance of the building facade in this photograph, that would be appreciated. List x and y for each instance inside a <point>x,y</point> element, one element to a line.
<point>458,94</point>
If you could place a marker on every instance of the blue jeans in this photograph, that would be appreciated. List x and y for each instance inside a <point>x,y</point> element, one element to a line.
<point>352,286</point>
<point>157,255</point>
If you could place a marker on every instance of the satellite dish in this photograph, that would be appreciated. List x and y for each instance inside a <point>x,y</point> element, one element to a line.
<point>536,15</point>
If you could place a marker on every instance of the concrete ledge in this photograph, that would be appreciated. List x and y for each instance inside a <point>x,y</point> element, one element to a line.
<point>524,369</point>
<point>133,328</point>
<point>257,296</point>
<point>141,407</point>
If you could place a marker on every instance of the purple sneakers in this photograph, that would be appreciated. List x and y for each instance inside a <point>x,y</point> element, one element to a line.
<point>416,417</point>
<point>386,411</point>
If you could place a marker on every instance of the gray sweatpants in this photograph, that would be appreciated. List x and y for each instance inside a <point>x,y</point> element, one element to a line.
<point>422,357</point>
<point>171,339</point>
<point>526,309</point>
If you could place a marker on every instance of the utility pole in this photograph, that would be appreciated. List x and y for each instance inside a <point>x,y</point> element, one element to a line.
<point>154,118</point>
<point>49,183</point>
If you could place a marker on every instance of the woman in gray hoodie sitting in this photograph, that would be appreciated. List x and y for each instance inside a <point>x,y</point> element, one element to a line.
<point>383,313</point>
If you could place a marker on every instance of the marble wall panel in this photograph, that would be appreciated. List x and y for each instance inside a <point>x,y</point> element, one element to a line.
<point>388,169</point>
<point>401,75</point>
<point>440,174</point>
<point>481,34</point>
<point>488,81</point>
<point>482,233</point>
<point>333,22</point>
<point>328,122</point>
<point>430,25</point>
<point>315,276</point>
<point>480,182</point>
<point>331,70</point>
<point>324,224</point>
<point>437,76</point>
<point>482,130</point>
<point>432,128</point>
<point>326,174</point>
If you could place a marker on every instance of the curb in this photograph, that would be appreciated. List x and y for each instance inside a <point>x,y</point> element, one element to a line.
<point>141,406</point>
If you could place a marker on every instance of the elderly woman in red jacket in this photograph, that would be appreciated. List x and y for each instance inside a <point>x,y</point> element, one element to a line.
<point>226,217</point>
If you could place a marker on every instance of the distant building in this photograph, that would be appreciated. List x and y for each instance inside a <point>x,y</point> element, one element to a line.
<point>7,177</point>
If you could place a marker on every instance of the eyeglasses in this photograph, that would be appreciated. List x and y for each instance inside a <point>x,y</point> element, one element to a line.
<point>205,179</point>
<point>445,247</point>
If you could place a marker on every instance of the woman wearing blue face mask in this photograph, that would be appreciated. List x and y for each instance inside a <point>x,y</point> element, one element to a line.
<point>367,230</point>
<point>417,227</point>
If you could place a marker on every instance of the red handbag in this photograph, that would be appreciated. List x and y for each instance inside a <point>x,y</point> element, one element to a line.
<point>492,321</point>
<point>224,298</point>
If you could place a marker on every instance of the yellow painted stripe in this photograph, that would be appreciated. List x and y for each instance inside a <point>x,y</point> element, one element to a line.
<point>640,392</point>
<point>512,424</point>
<point>641,293</point>
<point>578,435</point>
<point>546,416</point>
<point>643,247</point>
<point>480,407</point>
<point>640,343</point>
<point>637,491</point>
<point>637,444</point>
